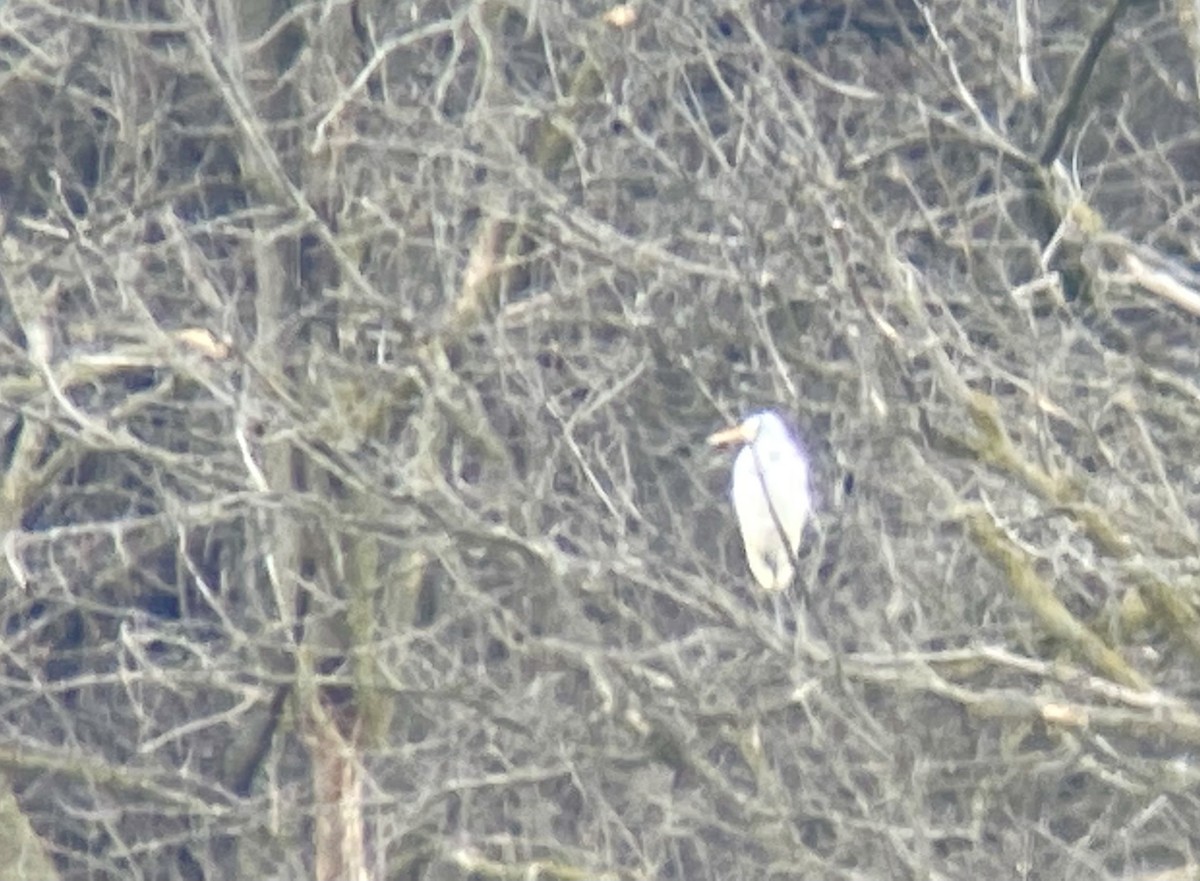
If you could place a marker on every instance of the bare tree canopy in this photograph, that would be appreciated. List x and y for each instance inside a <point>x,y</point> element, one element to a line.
<point>357,363</point>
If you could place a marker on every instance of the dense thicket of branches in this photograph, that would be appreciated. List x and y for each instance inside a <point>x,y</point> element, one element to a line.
<point>356,360</point>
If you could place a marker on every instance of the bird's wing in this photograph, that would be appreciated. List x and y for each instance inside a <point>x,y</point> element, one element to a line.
<point>790,495</point>
<point>769,553</point>
<point>788,502</point>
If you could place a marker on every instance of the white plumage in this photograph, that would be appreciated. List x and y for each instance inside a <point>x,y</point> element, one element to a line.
<point>770,495</point>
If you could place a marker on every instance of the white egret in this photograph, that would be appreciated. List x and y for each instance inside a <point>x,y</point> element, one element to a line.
<point>770,495</point>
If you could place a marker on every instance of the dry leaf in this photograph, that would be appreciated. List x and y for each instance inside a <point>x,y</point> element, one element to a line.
<point>621,16</point>
<point>203,341</point>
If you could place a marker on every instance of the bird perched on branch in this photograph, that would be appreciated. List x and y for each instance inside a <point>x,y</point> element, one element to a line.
<point>770,495</point>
